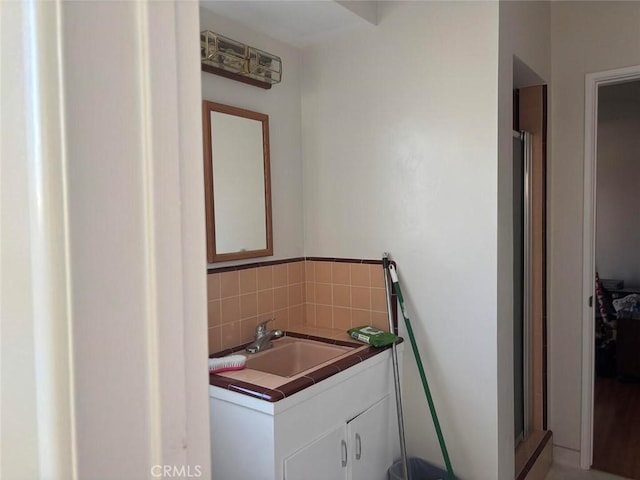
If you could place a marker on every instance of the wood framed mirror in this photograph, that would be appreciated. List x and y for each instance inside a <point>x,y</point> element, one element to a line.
<point>237,183</point>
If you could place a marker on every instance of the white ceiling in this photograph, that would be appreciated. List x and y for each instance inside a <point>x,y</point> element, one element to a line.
<point>296,22</point>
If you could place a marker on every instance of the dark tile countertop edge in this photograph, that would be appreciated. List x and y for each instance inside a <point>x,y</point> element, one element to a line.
<point>267,263</point>
<point>300,383</point>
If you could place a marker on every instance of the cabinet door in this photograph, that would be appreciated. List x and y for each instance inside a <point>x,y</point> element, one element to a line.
<point>324,459</point>
<point>370,443</point>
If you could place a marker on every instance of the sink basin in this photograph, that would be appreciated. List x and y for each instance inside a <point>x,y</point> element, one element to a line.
<point>290,356</point>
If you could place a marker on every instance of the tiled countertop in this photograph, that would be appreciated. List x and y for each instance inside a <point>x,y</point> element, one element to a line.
<point>272,388</point>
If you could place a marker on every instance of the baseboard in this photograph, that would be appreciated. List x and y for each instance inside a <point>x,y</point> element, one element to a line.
<point>566,456</point>
<point>534,456</point>
<point>542,466</point>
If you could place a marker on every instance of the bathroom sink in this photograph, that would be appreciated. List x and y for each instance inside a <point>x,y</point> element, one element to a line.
<point>290,356</point>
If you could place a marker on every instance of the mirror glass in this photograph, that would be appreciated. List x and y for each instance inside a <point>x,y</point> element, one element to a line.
<point>237,183</point>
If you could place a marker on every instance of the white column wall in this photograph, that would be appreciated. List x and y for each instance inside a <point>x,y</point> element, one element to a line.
<point>400,155</point>
<point>36,406</point>
<point>586,37</point>
<point>525,34</point>
<point>103,256</point>
<point>127,152</point>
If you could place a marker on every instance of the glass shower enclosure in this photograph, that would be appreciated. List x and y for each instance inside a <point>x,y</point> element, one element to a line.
<point>522,261</point>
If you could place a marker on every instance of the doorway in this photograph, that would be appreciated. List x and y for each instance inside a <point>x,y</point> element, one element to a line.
<point>607,412</point>
<point>616,446</point>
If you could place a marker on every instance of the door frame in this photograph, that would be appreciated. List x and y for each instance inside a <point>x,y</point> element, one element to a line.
<point>592,82</point>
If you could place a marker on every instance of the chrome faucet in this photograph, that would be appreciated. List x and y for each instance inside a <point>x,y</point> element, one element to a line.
<point>264,337</point>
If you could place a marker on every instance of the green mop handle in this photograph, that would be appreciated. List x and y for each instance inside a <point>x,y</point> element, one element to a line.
<point>423,376</point>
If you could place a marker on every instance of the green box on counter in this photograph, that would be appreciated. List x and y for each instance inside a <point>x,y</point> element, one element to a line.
<point>373,336</point>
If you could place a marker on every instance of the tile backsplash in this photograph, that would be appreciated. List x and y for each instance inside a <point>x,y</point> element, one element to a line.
<point>318,292</point>
<point>240,299</point>
<point>343,295</point>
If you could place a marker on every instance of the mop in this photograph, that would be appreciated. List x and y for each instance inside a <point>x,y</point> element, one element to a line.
<point>390,267</point>
<point>396,372</point>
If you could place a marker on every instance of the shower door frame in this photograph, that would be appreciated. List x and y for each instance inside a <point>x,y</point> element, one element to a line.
<point>526,140</point>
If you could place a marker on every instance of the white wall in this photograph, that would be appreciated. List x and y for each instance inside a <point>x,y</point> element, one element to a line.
<point>282,104</point>
<point>399,147</point>
<point>618,172</point>
<point>525,34</point>
<point>107,326</point>
<point>585,37</point>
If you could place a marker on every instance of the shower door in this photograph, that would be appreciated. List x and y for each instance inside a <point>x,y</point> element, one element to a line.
<point>521,283</point>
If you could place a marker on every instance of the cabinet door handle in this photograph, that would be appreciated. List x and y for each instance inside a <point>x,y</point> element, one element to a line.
<point>344,453</point>
<point>358,446</point>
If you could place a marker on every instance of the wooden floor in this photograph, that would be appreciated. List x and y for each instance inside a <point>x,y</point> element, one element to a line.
<point>616,427</point>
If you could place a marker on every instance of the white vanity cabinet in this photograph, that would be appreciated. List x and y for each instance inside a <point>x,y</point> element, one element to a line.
<point>357,450</point>
<point>323,459</point>
<point>343,427</point>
